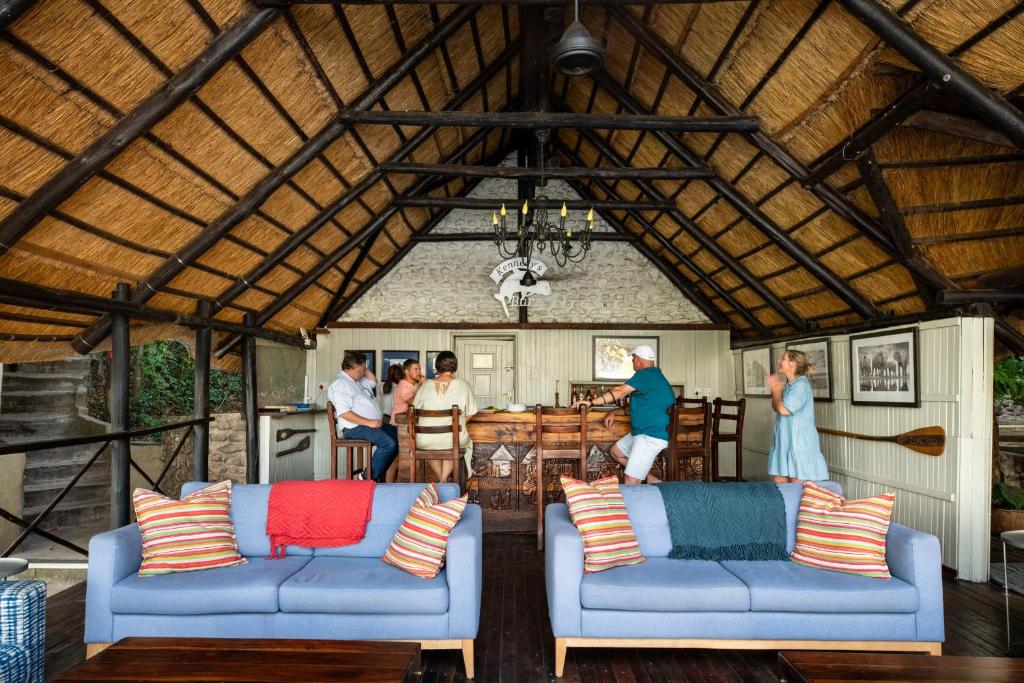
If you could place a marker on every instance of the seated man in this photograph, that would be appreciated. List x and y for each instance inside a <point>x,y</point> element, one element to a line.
<point>359,417</point>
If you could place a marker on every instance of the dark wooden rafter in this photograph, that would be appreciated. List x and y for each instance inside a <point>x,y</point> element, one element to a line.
<point>926,277</point>
<point>857,302</point>
<point>958,126</point>
<point>455,171</point>
<point>959,297</point>
<point>1010,336</point>
<point>277,177</point>
<point>151,110</point>
<point>350,275</point>
<point>667,245</point>
<point>534,120</point>
<point>514,203</point>
<point>525,3</point>
<point>10,10</point>
<point>991,106</point>
<point>489,237</point>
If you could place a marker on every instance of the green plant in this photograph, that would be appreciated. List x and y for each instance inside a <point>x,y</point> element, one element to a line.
<point>1008,379</point>
<point>1007,497</point>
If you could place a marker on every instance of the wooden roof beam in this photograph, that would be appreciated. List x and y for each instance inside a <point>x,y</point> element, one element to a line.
<point>10,10</point>
<point>146,114</point>
<point>989,105</point>
<point>535,120</point>
<point>676,252</point>
<point>277,177</point>
<point>1010,336</point>
<point>527,3</point>
<point>489,237</point>
<point>570,172</point>
<point>960,297</point>
<point>762,141</point>
<point>958,126</point>
<point>411,200</point>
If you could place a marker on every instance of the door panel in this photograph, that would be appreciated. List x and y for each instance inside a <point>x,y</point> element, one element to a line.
<point>488,366</point>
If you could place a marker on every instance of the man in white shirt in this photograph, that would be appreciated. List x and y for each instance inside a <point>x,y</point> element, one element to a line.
<point>358,415</point>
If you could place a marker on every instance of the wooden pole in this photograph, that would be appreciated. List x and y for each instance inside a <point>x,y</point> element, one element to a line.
<point>660,204</point>
<point>946,72</point>
<point>250,406</point>
<point>201,397</point>
<point>959,297</point>
<point>120,472</point>
<point>571,172</point>
<point>533,120</point>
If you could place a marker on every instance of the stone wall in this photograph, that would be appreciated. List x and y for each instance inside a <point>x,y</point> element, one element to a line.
<point>227,452</point>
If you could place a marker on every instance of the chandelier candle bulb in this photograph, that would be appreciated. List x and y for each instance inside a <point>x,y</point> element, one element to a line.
<point>526,207</point>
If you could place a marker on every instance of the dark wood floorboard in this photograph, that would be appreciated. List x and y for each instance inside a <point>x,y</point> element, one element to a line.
<point>515,644</point>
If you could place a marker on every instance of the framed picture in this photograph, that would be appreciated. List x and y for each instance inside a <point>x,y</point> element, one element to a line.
<point>756,364</point>
<point>429,370</point>
<point>371,361</point>
<point>819,355</point>
<point>612,360</point>
<point>884,368</point>
<point>389,358</point>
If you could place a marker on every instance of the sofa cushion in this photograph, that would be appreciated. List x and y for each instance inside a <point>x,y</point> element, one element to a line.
<point>599,514</point>
<point>250,587</point>
<point>791,494</point>
<point>784,586</point>
<point>664,585</point>
<point>650,524</point>
<point>362,585</point>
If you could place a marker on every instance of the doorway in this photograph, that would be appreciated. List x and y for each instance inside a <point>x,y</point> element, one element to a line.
<point>489,365</point>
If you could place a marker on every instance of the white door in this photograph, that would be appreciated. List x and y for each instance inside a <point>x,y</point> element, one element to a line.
<point>489,367</point>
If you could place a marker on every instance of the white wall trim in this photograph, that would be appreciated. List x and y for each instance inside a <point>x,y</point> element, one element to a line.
<point>886,481</point>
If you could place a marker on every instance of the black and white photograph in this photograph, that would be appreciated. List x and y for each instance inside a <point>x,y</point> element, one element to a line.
<point>428,369</point>
<point>884,368</point>
<point>756,364</point>
<point>819,355</point>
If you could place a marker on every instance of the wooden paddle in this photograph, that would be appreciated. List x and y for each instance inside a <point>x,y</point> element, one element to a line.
<point>926,440</point>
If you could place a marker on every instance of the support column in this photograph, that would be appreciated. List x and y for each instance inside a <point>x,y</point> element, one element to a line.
<point>250,405</point>
<point>201,397</point>
<point>120,507</point>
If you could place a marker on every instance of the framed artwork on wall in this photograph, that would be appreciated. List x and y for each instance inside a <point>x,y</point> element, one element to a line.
<point>756,364</point>
<point>389,358</point>
<point>885,369</point>
<point>371,361</point>
<point>612,361</point>
<point>428,369</point>
<point>819,355</point>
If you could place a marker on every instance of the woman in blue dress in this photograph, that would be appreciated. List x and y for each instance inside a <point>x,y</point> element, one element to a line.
<point>796,452</point>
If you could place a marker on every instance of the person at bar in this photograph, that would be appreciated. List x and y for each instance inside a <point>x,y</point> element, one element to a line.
<point>359,416</point>
<point>795,454</point>
<point>650,397</point>
<point>405,390</point>
<point>441,393</point>
<point>392,378</point>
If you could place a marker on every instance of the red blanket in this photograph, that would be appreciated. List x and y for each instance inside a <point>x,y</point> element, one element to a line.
<point>318,514</point>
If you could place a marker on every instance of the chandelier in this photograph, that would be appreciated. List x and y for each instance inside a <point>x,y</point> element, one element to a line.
<point>534,230</point>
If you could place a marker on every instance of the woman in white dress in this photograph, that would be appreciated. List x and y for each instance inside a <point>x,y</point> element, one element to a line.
<point>441,393</point>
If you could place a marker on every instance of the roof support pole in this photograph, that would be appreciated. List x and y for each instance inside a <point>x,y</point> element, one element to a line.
<point>120,472</point>
<point>250,405</point>
<point>201,397</point>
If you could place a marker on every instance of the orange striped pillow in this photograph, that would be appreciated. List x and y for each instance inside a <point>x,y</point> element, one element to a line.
<point>420,543</point>
<point>186,535</point>
<point>840,535</point>
<point>599,513</point>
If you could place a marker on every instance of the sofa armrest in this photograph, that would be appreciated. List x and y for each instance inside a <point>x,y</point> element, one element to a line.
<point>22,630</point>
<point>563,571</point>
<point>113,555</point>
<point>464,561</point>
<point>915,557</point>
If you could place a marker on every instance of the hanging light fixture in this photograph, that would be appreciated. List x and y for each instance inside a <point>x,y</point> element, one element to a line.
<point>577,52</point>
<point>536,231</point>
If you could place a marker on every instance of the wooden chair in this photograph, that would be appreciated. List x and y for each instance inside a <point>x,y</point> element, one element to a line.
<point>579,453</point>
<point>418,455</point>
<point>689,437</point>
<point>354,447</point>
<point>736,437</point>
<point>691,402</point>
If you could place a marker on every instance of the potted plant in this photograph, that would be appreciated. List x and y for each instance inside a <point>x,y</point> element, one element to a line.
<point>1008,508</point>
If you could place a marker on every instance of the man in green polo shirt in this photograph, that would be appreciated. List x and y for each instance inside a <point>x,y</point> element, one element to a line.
<point>650,397</point>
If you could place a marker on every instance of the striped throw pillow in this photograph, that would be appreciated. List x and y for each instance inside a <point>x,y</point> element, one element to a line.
<point>840,535</point>
<point>186,535</point>
<point>599,513</point>
<point>419,545</point>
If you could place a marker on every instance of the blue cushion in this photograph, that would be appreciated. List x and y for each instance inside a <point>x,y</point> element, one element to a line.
<point>789,587</point>
<point>250,587</point>
<point>362,585</point>
<point>647,514</point>
<point>791,494</point>
<point>664,585</point>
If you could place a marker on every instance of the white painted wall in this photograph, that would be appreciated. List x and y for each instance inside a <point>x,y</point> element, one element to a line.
<point>695,358</point>
<point>948,495</point>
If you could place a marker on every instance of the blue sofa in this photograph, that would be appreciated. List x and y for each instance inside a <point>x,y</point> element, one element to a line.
<point>345,593</point>
<point>738,605</point>
<point>22,631</point>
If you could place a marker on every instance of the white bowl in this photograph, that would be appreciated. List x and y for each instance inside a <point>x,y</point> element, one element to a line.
<point>516,408</point>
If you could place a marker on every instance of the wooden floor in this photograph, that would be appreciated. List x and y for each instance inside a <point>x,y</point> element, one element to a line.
<point>515,641</point>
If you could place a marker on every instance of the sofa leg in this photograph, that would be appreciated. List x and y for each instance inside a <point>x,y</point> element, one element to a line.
<point>561,645</point>
<point>467,656</point>
<point>93,649</point>
<point>935,650</point>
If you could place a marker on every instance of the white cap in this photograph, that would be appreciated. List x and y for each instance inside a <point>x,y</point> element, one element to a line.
<point>644,351</point>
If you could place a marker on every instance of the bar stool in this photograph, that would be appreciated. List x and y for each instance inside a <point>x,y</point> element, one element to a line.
<point>689,437</point>
<point>544,426</point>
<point>736,436</point>
<point>418,455</point>
<point>354,447</point>
<point>1014,539</point>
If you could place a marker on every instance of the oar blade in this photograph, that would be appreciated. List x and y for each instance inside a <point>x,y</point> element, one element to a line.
<point>926,440</point>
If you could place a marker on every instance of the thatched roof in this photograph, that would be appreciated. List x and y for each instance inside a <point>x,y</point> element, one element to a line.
<point>248,162</point>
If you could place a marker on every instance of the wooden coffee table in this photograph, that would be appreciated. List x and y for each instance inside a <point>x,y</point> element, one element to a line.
<point>256,660</point>
<point>806,667</point>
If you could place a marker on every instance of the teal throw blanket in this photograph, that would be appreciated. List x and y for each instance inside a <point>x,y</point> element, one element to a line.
<point>725,521</point>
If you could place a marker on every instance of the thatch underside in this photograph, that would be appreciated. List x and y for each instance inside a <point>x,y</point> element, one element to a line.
<point>71,69</point>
